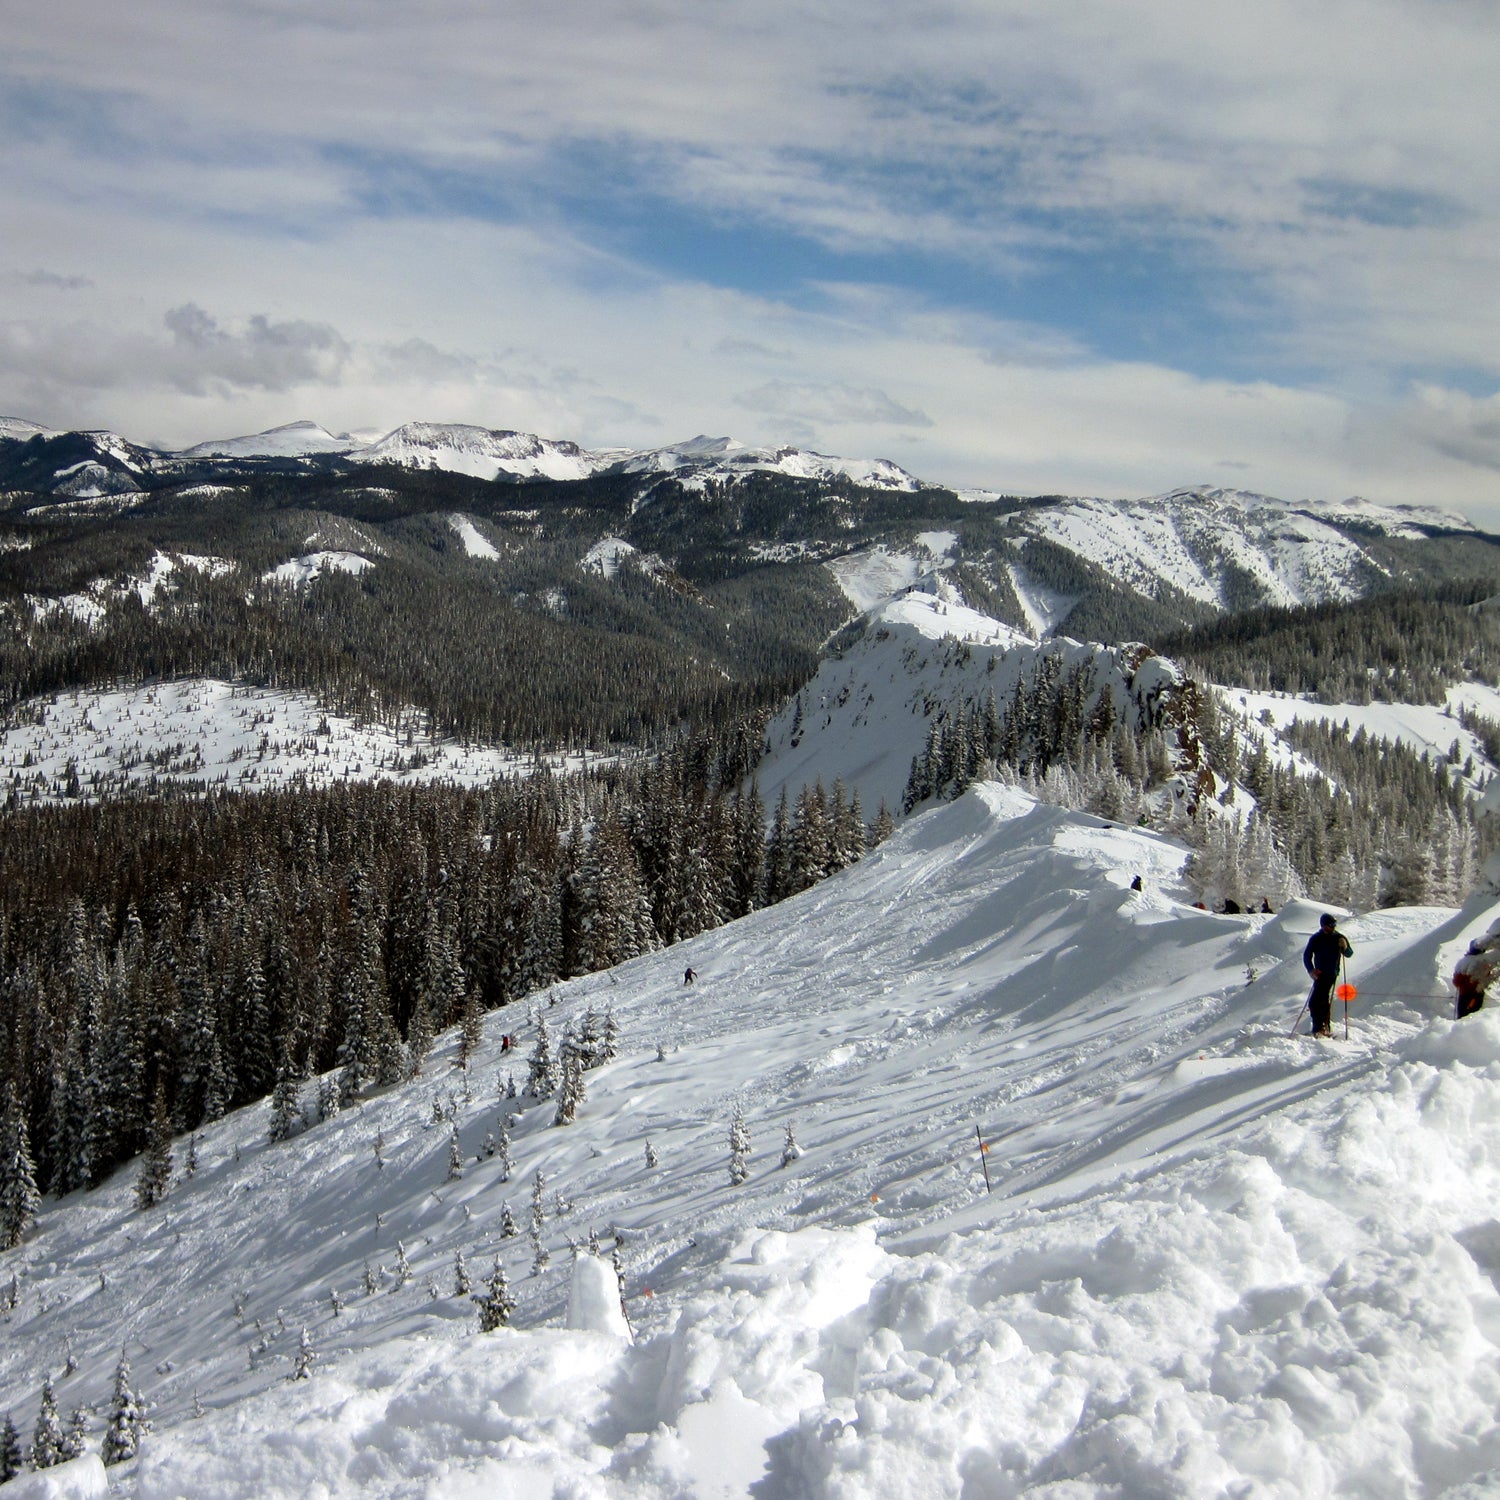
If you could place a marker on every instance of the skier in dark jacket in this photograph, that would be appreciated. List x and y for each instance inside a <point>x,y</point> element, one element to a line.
<point>1326,949</point>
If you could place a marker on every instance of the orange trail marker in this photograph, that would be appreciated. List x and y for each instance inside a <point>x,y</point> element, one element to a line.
<point>984,1152</point>
<point>1346,992</point>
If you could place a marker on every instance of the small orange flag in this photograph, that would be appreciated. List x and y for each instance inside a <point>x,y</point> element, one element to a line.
<point>1346,992</point>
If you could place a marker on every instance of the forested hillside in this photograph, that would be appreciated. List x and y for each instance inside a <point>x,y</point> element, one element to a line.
<point>166,960</point>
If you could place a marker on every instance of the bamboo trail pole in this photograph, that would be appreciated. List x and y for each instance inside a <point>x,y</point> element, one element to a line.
<point>984,1154</point>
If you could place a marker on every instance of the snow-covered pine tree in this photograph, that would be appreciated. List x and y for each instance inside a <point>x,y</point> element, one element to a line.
<point>538,1204</point>
<point>303,1362</point>
<point>541,1079</point>
<point>19,1198</point>
<point>471,1031</point>
<point>790,1150</point>
<point>502,1150</point>
<point>496,1304</point>
<point>286,1103</point>
<point>652,1160</point>
<point>10,1450</point>
<point>155,1176</point>
<point>47,1435</point>
<point>455,1156</point>
<point>588,1038</point>
<point>330,1096</point>
<point>509,1229</point>
<point>571,1093</point>
<point>461,1283</point>
<point>739,1149</point>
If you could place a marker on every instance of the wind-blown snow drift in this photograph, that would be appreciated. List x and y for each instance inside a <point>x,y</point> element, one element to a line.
<point>1217,1260</point>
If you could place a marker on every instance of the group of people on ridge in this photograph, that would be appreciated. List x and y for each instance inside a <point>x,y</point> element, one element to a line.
<point>1327,948</point>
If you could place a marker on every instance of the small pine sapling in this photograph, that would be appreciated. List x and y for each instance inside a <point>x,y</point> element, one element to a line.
<point>461,1283</point>
<point>371,1284</point>
<point>790,1150</point>
<point>335,1301</point>
<point>303,1362</point>
<point>76,1438</point>
<point>503,1151</point>
<point>496,1304</point>
<point>653,1161</point>
<point>509,1229</point>
<point>739,1149</point>
<point>403,1266</point>
<point>541,1257</point>
<point>538,1204</point>
<point>455,1156</point>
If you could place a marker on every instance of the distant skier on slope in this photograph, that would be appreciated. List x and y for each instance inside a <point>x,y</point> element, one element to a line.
<point>1326,949</point>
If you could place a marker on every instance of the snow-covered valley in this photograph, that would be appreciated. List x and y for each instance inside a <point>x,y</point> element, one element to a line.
<point>1217,1259</point>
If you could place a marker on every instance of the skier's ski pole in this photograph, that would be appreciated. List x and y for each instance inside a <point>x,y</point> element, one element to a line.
<point>1344,985</point>
<point>1300,1014</point>
<point>984,1152</point>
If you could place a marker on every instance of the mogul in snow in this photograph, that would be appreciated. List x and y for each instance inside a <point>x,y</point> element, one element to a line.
<point>1326,949</point>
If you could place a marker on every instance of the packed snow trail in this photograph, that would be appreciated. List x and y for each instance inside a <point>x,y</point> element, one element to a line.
<point>1217,1260</point>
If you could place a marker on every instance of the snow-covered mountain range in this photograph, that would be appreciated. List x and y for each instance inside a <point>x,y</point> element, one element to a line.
<point>1050,565</point>
<point>455,448</point>
<point>1210,1259</point>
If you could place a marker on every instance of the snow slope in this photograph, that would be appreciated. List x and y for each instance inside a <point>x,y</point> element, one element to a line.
<point>1428,728</point>
<point>481,452</point>
<point>201,733</point>
<point>1214,544</point>
<point>868,709</point>
<point>291,440</point>
<point>1216,1260</point>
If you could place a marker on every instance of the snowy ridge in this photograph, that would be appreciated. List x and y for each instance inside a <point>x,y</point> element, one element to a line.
<point>299,572</point>
<point>291,440</point>
<point>867,711</point>
<point>726,458</point>
<point>481,452</point>
<point>19,430</point>
<point>1216,1259</point>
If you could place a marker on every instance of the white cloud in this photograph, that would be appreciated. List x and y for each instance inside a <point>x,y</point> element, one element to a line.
<point>831,404</point>
<point>1343,161</point>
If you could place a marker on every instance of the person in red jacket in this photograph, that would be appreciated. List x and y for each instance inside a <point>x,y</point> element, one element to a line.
<point>1472,976</point>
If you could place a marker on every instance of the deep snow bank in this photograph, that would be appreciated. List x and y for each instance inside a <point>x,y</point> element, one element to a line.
<point>1217,1260</point>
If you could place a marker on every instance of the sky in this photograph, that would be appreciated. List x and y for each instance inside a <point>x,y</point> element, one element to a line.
<point>1109,248</point>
